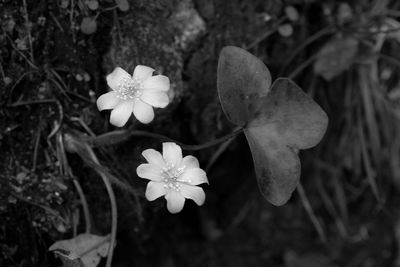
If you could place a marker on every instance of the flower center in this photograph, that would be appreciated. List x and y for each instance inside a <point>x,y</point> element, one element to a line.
<point>129,88</point>
<point>170,175</point>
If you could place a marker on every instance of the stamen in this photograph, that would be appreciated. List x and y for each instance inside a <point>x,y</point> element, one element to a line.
<point>129,88</point>
<point>170,175</point>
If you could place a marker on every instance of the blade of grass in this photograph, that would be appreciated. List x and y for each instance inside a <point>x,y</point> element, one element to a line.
<point>367,165</point>
<point>311,214</point>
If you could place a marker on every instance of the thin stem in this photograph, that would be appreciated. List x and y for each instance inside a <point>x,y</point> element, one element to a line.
<point>221,149</point>
<point>30,63</point>
<point>307,42</point>
<point>266,34</point>
<point>211,143</point>
<point>67,169</point>
<point>302,66</point>
<point>118,136</point>
<point>85,206</point>
<point>113,203</point>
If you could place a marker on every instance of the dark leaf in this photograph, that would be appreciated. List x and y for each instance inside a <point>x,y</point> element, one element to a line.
<point>288,120</point>
<point>279,120</point>
<point>242,79</point>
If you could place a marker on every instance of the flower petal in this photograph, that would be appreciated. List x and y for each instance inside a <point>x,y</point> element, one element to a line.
<point>142,73</point>
<point>107,101</point>
<point>143,112</point>
<point>172,153</point>
<point>175,201</point>
<point>115,77</point>
<point>193,192</point>
<point>149,171</point>
<point>157,82</point>
<point>121,113</point>
<point>153,157</point>
<point>190,162</point>
<point>157,99</point>
<point>155,190</point>
<point>194,176</point>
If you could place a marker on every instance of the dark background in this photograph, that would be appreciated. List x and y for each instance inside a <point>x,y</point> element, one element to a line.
<point>53,67</point>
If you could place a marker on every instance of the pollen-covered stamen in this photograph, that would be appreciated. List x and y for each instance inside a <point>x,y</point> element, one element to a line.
<point>170,176</point>
<point>129,88</point>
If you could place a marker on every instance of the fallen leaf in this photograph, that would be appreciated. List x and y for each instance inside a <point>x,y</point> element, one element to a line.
<point>86,247</point>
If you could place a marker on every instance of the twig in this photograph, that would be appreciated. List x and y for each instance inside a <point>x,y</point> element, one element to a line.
<point>35,151</point>
<point>28,29</point>
<point>32,102</point>
<point>30,63</point>
<point>45,208</point>
<point>71,20</point>
<point>19,80</point>
<point>60,83</point>
<point>56,21</point>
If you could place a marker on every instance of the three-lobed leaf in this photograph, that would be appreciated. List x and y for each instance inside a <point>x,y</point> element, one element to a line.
<point>279,120</point>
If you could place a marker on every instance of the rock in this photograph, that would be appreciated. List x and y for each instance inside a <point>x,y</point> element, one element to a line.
<point>156,34</point>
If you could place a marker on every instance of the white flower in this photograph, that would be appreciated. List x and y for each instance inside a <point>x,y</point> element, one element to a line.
<point>138,94</point>
<point>172,176</point>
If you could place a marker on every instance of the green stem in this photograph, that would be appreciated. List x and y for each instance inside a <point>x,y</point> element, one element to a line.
<point>118,136</point>
<point>114,214</point>
<point>85,206</point>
